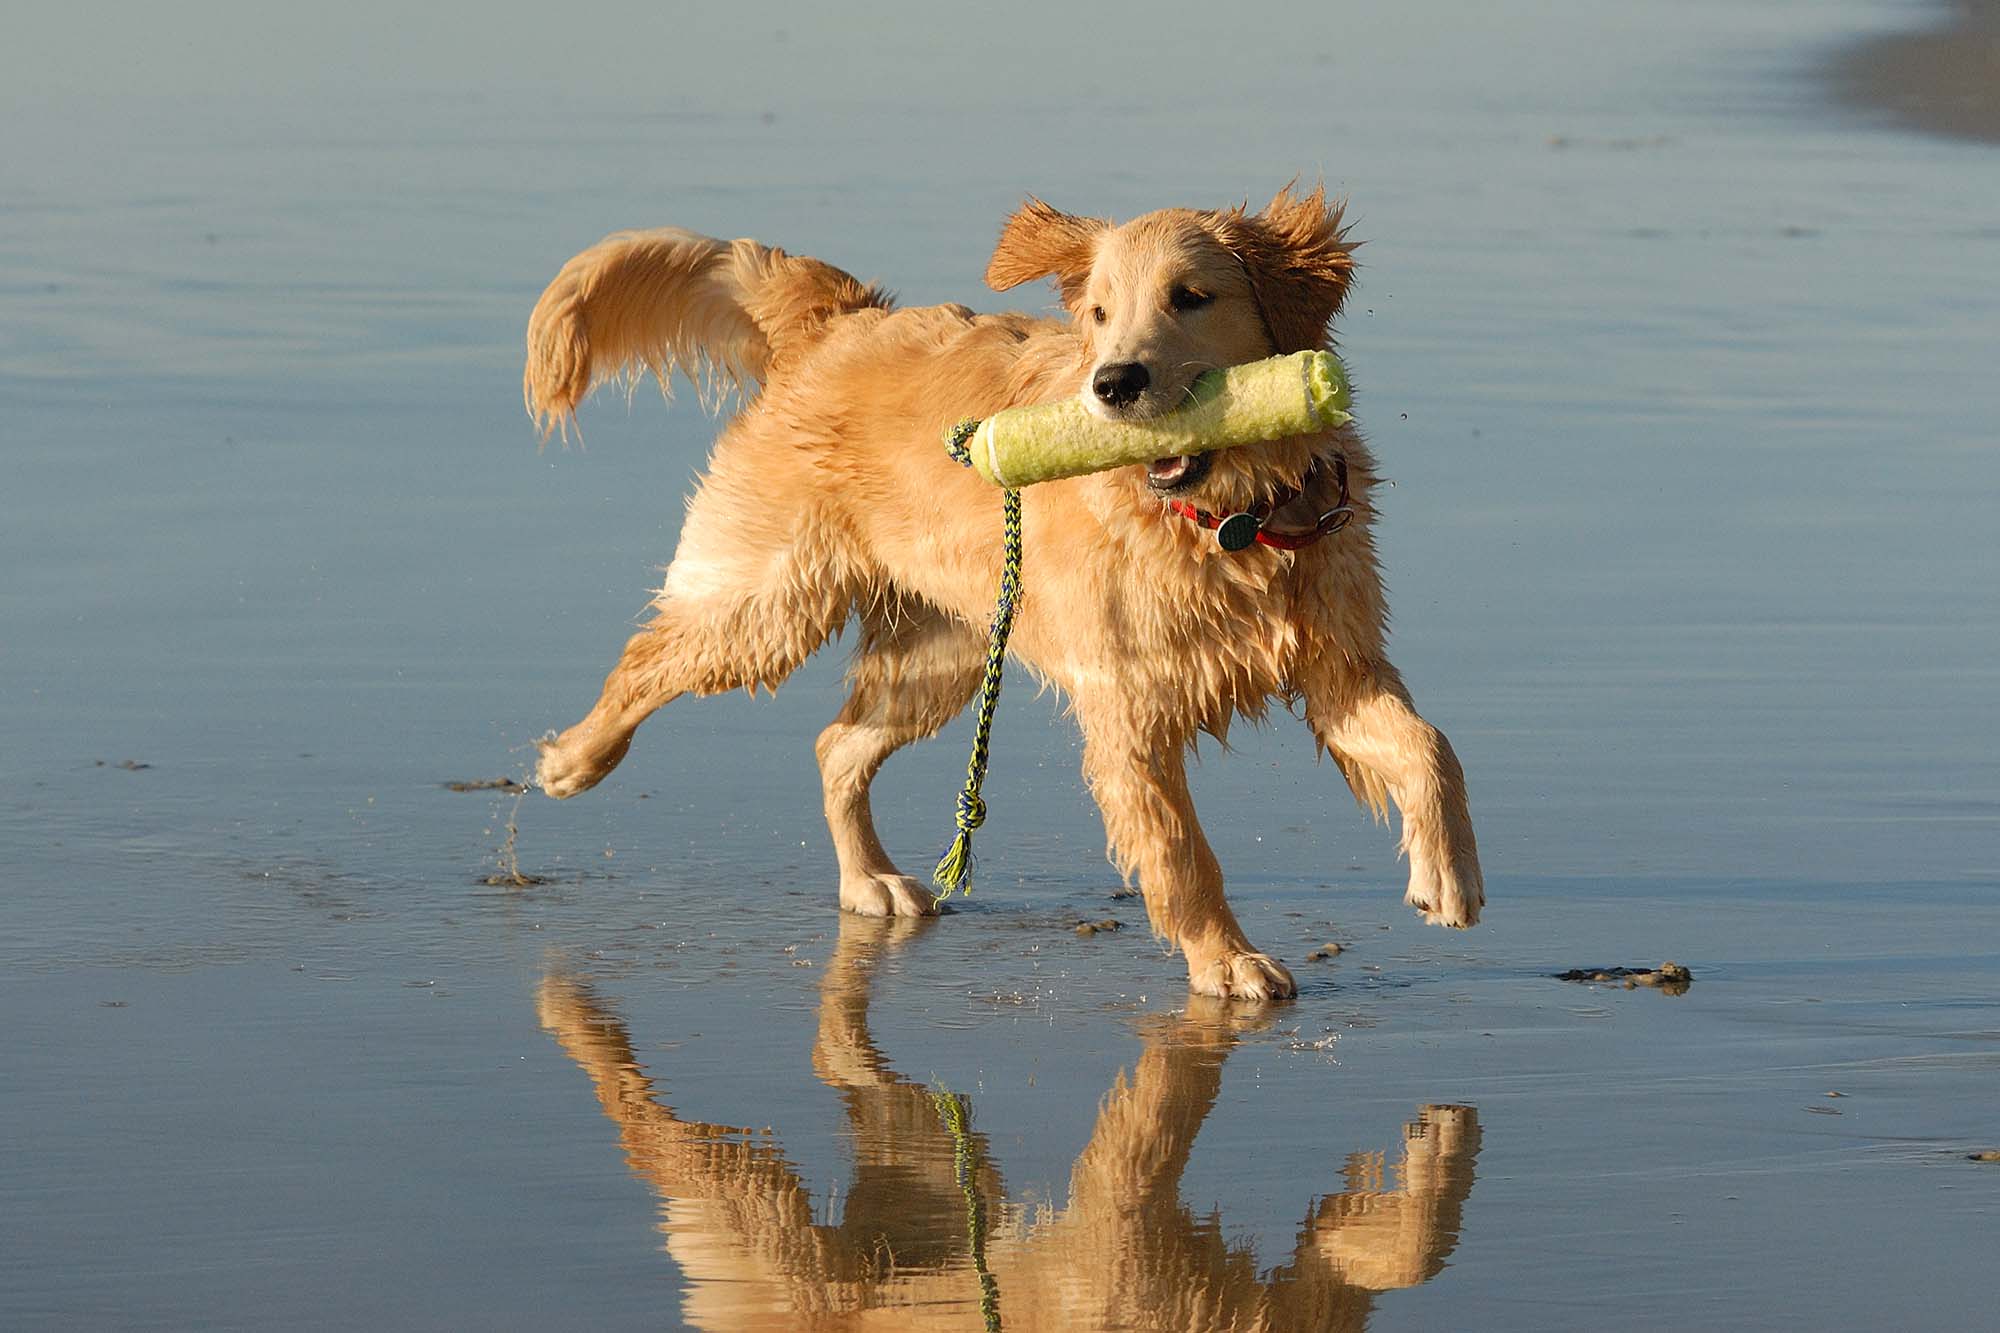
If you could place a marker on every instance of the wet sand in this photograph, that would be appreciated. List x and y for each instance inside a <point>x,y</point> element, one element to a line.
<point>1685,392</point>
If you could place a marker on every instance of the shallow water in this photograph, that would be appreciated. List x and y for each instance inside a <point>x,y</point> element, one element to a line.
<point>1684,375</point>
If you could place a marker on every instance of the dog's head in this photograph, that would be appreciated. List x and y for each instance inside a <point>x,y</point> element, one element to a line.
<point>1164,297</point>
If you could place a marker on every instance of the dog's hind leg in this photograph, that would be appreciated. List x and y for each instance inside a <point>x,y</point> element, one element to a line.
<point>1362,714</point>
<point>916,669</point>
<point>754,590</point>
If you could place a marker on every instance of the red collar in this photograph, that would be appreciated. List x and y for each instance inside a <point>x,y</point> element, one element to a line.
<point>1236,530</point>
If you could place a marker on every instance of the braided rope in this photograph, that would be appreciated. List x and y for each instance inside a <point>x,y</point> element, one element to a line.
<point>954,868</point>
<point>958,441</point>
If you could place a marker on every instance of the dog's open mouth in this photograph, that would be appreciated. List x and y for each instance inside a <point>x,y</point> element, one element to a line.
<point>1176,473</point>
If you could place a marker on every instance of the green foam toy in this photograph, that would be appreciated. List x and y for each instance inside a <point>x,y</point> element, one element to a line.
<point>1299,394</point>
<point>1265,400</point>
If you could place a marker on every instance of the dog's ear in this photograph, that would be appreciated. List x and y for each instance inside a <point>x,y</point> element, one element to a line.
<point>1042,242</point>
<point>1299,261</point>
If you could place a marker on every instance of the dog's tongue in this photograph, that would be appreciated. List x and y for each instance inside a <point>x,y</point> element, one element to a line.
<point>1167,471</point>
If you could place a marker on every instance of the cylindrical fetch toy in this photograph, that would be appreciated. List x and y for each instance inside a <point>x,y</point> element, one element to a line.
<point>1265,400</point>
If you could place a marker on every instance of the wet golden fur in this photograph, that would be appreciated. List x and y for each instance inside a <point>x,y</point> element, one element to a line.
<point>829,498</point>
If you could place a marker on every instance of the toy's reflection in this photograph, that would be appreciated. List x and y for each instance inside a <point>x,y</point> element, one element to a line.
<point>925,1239</point>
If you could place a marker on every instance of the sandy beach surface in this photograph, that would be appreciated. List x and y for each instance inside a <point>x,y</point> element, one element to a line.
<point>1674,337</point>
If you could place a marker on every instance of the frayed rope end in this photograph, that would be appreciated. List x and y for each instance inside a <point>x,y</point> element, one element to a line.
<point>954,868</point>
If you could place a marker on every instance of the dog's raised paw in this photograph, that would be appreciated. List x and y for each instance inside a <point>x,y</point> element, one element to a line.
<point>886,895</point>
<point>569,765</point>
<point>1243,976</point>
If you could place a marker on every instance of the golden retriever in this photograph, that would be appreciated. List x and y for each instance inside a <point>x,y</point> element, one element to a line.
<point>830,498</point>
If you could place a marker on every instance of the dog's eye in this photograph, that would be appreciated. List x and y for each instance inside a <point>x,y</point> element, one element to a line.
<point>1097,313</point>
<point>1187,298</point>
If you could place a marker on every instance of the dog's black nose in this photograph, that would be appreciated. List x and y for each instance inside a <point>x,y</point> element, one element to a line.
<point>1120,385</point>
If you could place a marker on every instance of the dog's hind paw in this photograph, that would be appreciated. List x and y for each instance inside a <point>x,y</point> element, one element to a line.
<point>1243,976</point>
<point>886,895</point>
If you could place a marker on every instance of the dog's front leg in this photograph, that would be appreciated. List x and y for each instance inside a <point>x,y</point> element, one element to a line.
<point>1139,778</point>
<point>1362,714</point>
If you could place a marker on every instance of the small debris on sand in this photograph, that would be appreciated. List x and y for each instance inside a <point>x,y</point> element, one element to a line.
<point>1670,977</point>
<point>487,784</point>
<point>1325,951</point>
<point>1089,928</point>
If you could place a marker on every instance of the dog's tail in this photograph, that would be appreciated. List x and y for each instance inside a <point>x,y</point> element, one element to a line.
<point>720,312</point>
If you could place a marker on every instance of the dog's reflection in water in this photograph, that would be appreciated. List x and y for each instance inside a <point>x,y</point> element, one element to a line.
<point>1125,1253</point>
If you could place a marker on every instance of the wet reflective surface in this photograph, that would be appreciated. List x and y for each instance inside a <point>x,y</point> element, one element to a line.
<point>924,1231</point>
<point>1682,370</point>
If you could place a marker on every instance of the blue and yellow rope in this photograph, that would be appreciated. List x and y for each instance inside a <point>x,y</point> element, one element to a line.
<point>954,868</point>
